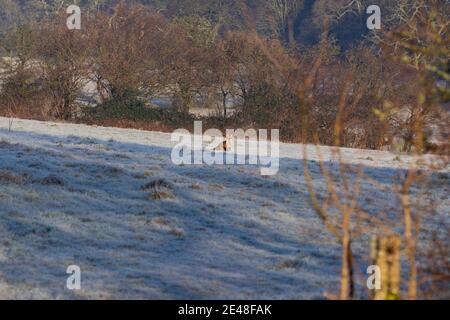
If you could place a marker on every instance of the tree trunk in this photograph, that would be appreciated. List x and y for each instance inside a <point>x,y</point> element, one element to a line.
<point>385,253</point>
<point>410,246</point>
<point>291,32</point>
<point>347,281</point>
<point>224,104</point>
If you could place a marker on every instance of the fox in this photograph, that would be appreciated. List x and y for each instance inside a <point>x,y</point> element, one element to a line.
<point>226,144</point>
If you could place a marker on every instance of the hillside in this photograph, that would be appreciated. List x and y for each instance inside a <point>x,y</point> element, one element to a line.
<point>111,201</point>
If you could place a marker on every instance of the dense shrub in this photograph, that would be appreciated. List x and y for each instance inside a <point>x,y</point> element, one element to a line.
<point>132,111</point>
<point>129,108</point>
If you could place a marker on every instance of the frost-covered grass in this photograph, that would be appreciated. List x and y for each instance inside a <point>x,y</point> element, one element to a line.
<point>111,201</point>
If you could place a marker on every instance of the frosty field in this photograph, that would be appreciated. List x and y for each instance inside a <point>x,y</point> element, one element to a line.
<point>111,201</point>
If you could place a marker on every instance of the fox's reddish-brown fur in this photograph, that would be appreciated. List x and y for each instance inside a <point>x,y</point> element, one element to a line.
<point>225,145</point>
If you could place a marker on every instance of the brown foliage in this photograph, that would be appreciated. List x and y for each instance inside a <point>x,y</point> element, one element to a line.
<point>125,51</point>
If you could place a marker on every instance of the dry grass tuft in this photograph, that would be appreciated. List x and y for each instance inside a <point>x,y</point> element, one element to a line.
<point>159,189</point>
<point>7,176</point>
<point>51,180</point>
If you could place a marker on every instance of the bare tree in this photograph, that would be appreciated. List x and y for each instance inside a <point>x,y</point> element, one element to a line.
<point>63,58</point>
<point>125,47</point>
<point>185,60</point>
<point>285,12</point>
